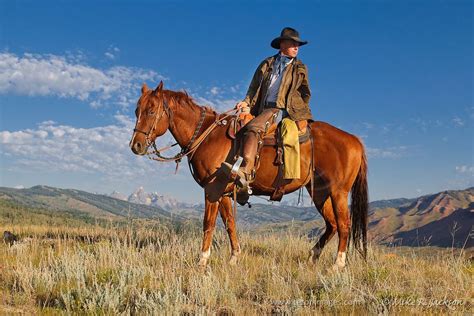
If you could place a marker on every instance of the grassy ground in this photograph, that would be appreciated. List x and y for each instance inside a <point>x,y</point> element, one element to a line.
<point>148,270</point>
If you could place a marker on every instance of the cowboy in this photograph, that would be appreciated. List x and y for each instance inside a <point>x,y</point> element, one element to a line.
<point>279,87</point>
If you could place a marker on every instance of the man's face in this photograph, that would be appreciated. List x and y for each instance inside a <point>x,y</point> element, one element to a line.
<point>289,47</point>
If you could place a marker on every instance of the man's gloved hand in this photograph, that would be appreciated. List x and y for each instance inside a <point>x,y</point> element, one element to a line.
<point>242,105</point>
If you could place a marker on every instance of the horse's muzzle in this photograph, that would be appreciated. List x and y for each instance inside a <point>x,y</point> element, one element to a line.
<point>138,148</point>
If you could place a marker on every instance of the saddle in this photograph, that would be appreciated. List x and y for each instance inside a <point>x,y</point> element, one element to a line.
<point>272,137</point>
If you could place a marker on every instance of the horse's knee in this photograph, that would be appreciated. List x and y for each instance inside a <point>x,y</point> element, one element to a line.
<point>331,229</point>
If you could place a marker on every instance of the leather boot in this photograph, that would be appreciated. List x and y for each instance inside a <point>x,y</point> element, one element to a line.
<point>244,173</point>
<point>249,152</point>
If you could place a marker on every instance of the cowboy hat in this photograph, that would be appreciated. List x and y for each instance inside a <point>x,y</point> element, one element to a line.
<point>290,34</point>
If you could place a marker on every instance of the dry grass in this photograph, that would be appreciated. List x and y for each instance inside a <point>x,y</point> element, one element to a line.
<point>114,271</point>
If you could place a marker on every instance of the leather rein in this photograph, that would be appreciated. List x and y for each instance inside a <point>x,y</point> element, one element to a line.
<point>194,142</point>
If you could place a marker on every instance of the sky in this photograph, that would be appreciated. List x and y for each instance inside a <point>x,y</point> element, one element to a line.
<point>398,74</point>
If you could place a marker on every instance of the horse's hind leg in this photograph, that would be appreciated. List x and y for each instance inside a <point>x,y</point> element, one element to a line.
<point>209,223</point>
<point>331,227</point>
<point>229,222</point>
<point>341,210</point>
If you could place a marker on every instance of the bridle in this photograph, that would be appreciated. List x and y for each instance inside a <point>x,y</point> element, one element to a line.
<point>194,142</point>
<point>169,113</point>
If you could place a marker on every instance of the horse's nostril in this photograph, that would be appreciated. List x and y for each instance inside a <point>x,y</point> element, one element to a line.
<point>138,148</point>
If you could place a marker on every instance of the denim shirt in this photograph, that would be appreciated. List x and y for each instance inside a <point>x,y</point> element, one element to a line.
<point>279,67</point>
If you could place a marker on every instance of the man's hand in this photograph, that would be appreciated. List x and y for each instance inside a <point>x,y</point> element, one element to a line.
<point>242,105</point>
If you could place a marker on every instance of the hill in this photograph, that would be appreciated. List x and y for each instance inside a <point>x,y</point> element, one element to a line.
<point>76,202</point>
<point>443,219</point>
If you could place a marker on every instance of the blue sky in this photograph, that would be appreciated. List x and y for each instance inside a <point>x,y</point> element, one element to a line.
<point>396,73</point>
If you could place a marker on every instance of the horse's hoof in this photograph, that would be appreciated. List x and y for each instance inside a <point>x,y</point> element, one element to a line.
<point>312,258</point>
<point>335,268</point>
<point>233,261</point>
<point>204,269</point>
<point>202,263</point>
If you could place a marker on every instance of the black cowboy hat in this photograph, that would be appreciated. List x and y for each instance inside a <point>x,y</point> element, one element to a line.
<point>288,33</point>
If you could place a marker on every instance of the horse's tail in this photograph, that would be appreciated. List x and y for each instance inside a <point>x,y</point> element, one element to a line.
<point>360,208</point>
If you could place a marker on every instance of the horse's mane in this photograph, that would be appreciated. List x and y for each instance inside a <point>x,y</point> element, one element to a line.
<point>182,98</point>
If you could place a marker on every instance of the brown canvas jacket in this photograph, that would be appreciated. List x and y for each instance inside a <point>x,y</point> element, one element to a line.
<point>293,94</point>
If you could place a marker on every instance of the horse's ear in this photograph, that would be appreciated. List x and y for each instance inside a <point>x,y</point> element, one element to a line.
<point>144,88</point>
<point>160,87</point>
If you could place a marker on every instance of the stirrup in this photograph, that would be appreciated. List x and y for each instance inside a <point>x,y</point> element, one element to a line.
<point>235,173</point>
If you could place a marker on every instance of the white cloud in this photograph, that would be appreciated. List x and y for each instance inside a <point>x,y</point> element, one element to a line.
<point>214,90</point>
<point>112,52</point>
<point>219,104</point>
<point>102,153</point>
<point>389,152</point>
<point>465,169</point>
<point>368,125</point>
<point>458,121</point>
<point>235,88</point>
<point>66,77</point>
<point>99,150</point>
<point>221,97</point>
<point>463,178</point>
<point>109,55</point>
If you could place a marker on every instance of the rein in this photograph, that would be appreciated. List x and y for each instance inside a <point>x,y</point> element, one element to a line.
<point>183,151</point>
<point>194,142</point>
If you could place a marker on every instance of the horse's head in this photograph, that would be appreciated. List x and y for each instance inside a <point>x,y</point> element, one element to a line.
<point>153,117</point>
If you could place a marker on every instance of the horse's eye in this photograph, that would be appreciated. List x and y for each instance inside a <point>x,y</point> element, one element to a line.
<point>151,113</point>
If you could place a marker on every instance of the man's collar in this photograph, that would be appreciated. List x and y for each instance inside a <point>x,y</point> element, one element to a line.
<point>277,55</point>
<point>281,55</point>
<point>271,59</point>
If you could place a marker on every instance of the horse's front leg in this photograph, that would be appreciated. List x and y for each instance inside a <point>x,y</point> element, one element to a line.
<point>209,223</point>
<point>227,215</point>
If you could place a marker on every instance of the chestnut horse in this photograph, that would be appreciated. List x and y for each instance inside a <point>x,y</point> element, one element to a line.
<point>340,167</point>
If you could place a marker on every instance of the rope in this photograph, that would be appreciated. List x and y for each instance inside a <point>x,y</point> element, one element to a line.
<point>193,144</point>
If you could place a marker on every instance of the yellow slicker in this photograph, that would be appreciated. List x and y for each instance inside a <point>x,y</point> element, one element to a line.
<point>291,149</point>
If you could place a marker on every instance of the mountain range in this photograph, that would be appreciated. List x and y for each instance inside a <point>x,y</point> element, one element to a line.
<point>169,203</point>
<point>443,219</point>
<point>70,200</point>
<point>152,199</point>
